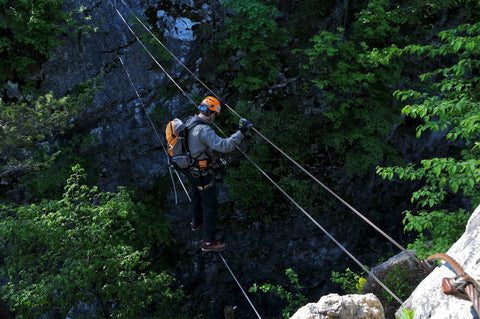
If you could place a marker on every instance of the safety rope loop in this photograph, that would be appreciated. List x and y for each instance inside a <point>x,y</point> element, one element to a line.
<point>462,285</point>
<point>427,267</point>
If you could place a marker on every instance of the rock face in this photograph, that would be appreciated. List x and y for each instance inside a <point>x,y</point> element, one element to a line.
<point>126,148</point>
<point>428,300</point>
<point>343,307</point>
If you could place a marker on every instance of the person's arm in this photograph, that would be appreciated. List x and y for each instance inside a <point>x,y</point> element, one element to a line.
<point>218,144</point>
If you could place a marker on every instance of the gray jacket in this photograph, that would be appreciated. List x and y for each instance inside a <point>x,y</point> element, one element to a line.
<point>203,141</point>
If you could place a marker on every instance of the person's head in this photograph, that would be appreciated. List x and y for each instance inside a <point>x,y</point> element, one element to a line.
<point>210,107</point>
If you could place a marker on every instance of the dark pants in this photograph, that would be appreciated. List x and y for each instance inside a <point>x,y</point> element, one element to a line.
<point>204,205</point>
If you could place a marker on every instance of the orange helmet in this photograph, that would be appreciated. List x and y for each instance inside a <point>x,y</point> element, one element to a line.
<point>210,103</point>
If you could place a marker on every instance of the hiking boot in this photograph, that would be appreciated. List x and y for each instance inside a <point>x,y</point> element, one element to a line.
<point>213,246</point>
<point>196,228</point>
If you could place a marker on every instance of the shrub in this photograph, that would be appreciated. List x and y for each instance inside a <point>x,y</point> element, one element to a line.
<point>59,254</point>
<point>450,106</point>
<point>256,39</point>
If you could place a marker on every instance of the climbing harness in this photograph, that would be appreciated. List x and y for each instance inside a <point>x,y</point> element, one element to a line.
<point>462,285</point>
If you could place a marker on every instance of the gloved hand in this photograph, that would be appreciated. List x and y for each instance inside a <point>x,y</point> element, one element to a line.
<point>218,165</point>
<point>244,125</point>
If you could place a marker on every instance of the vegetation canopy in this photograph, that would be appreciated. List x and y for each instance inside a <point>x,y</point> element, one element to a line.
<point>60,255</point>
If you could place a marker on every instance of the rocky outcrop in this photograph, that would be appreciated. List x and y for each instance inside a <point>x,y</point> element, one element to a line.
<point>400,265</point>
<point>344,307</point>
<point>428,300</point>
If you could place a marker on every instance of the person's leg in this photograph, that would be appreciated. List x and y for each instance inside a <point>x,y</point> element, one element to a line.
<point>196,209</point>
<point>210,210</point>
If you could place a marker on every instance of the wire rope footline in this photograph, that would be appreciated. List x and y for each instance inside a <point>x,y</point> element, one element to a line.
<point>270,179</point>
<point>240,286</point>
<point>323,229</point>
<point>355,211</point>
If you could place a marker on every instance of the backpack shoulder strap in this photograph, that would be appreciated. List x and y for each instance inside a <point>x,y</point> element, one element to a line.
<point>188,127</point>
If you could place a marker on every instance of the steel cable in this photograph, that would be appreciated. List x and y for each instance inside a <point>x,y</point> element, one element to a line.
<point>156,132</point>
<point>355,211</point>
<point>240,286</point>
<point>270,179</point>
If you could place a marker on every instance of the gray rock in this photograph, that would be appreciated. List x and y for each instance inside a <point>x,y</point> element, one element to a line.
<point>428,300</point>
<point>342,307</point>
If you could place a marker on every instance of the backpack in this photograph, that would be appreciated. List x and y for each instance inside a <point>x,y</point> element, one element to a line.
<point>176,133</point>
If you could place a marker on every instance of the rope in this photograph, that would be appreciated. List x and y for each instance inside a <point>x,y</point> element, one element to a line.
<point>322,229</point>
<point>273,182</point>
<point>186,192</point>
<point>240,286</point>
<point>154,128</point>
<point>394,242</point>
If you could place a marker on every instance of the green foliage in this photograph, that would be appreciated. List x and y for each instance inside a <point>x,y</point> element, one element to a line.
<point>382,22</point>
<point>255,38</point>
<point>442,226</point>
<point>451,107</point>
<point>29,29</point>
<point>351,282</point>
<point>356,72</point>
<point>293,297</point>
<point>26,126</point>
<point>58,254</point>
<point>397,281</point>
<point>33,120</point>
<point>407,314</point>
<point>355,78</point>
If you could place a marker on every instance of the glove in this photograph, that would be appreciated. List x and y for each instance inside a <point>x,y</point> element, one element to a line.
<point>219,165</point>
<point>244,125</point>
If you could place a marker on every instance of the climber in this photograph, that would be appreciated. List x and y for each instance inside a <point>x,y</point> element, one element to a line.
<point>204,144</point>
